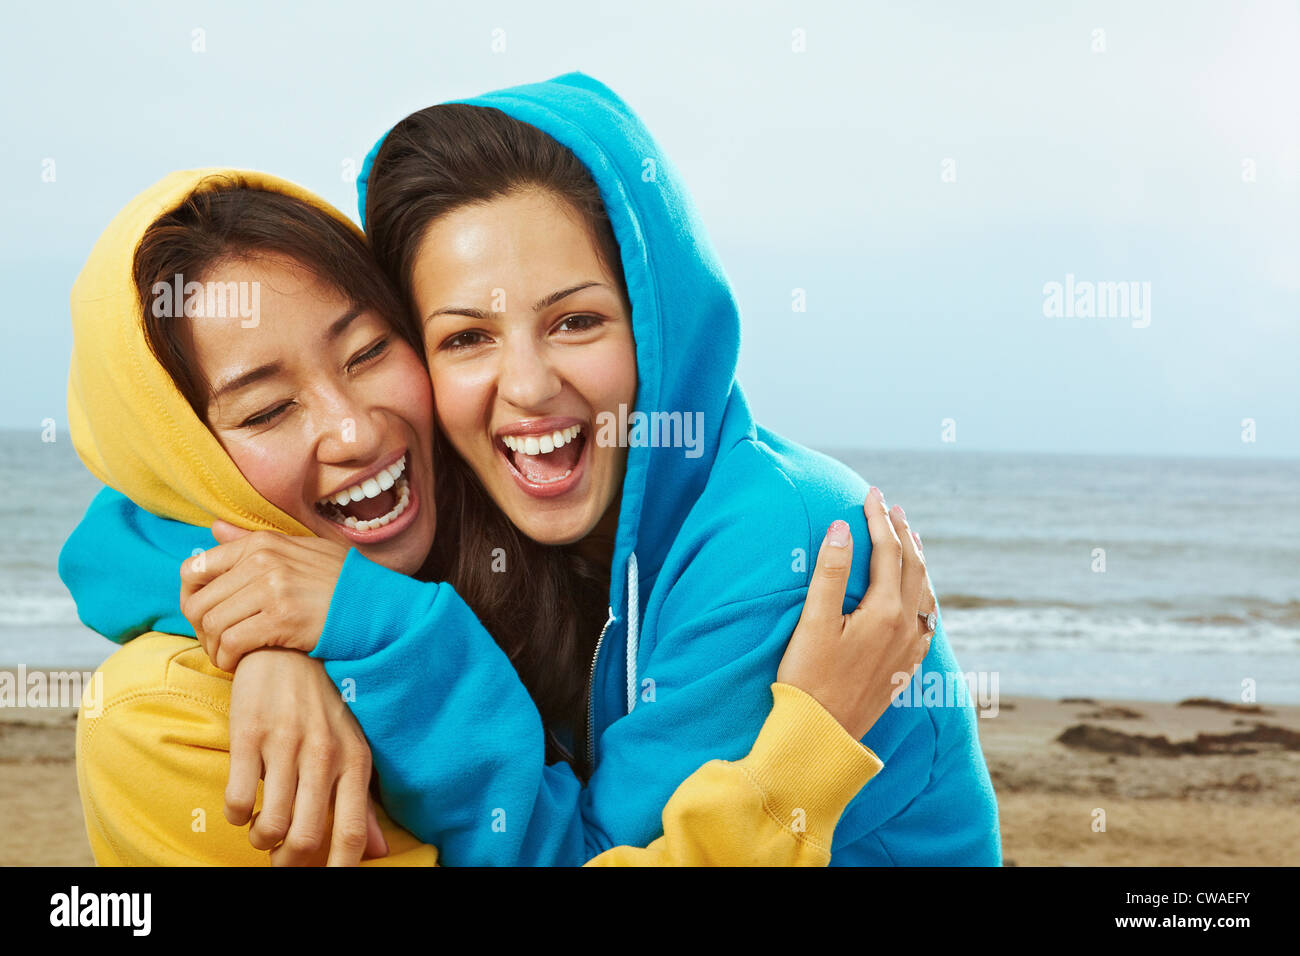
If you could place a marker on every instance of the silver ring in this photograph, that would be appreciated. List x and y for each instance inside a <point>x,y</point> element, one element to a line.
<point>931,620</point>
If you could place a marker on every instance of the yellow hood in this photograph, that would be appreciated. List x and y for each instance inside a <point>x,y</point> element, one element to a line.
<point>130,424</point>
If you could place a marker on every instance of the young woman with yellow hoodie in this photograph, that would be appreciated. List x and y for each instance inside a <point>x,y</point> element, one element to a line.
<point>152,754</point>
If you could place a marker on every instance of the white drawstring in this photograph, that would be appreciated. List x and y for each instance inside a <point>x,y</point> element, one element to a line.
<point>633,627</point>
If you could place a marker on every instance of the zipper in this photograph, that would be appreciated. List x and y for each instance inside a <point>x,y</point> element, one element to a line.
<point>591,700</point>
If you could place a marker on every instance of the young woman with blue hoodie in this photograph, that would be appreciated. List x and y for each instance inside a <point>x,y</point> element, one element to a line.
<point>709,570</point>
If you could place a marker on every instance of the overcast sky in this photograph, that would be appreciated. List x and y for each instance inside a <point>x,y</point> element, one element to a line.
<point>921,173</point>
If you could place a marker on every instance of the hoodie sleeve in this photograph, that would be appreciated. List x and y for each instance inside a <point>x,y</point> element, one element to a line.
<point>122,566</point>
<point>460,751</point>
<point>777,806</point>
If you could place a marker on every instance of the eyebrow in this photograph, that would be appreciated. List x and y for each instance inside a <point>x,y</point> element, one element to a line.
<point>271,369</point>
<point>542,303</point>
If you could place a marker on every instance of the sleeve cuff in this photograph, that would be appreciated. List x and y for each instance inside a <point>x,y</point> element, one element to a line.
<point>803,760</point>
<point>372,606</point>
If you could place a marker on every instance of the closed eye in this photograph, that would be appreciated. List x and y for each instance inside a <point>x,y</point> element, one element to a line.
<point>265,418</point>
<point>370,354</point>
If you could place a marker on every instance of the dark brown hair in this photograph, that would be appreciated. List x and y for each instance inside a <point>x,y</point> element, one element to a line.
<point>548,608</point>
<point>227,219</point>
<point>444,157</point>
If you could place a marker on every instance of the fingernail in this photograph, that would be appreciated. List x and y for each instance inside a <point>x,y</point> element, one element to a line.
<point>837,535</point>
<point>878,494</point>
<point>901,513</point>
<point>917,538</point>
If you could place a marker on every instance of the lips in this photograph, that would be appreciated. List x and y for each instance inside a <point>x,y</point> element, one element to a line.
<point>545,457</point>
<point>376,506</point>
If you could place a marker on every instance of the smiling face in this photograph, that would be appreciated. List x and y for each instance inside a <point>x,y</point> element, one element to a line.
<point>528,339</point>
<point>320,403</point>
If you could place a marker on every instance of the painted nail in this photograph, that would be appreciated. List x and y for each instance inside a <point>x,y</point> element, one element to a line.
<point>901,513</point>
<point>837,535</point>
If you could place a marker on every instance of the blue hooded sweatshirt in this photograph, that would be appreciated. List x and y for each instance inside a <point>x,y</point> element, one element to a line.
<point>719,527</point>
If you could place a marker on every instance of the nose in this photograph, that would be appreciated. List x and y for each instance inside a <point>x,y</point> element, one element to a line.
<point>348,428</point>
<point>525,376</point>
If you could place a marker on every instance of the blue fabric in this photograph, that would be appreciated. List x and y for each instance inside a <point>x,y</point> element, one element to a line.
<point>725,542</point>
<point>123,567</point>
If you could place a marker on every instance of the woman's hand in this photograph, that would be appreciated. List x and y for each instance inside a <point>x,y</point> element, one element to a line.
<point>851,662</point>
<point>289,724</point>
<point>259,589</point>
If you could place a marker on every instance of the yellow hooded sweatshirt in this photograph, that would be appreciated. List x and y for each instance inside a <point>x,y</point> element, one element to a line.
<point>153,751</point>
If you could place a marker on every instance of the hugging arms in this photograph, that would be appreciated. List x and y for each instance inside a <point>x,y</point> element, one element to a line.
<point>644,639</point>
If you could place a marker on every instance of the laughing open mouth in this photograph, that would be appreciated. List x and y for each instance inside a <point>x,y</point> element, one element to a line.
<point>373,503</point>
<point>545,459</point>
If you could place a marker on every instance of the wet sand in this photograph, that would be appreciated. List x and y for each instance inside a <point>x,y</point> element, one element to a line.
<point>1234,808</point>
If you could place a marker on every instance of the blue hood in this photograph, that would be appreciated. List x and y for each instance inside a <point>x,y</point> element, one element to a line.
<point>684,317</point>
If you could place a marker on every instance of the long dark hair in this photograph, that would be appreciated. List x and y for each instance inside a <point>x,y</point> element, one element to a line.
<point>547,610</point>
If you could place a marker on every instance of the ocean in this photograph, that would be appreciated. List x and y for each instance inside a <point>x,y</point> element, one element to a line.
<point>1200,591</point>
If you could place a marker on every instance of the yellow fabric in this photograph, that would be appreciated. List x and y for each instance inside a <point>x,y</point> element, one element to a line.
<point>130,424</point>
<point>777,806</point>
<point>152,760</point>
<point>153,754</point>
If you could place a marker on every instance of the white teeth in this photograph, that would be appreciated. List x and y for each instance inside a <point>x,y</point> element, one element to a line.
<point>371,487</point>
<point>541,445</point>
<point>403,500</point>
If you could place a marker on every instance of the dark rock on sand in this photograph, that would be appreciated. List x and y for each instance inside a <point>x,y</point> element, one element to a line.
<point>1106,740</point>
<point>1224,705</point>
<point>1270,737</point>
<point>1113,713</point>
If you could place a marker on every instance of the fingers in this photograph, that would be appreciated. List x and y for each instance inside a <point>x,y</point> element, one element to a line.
<point>271,825</point>
<point>376,843</point>
<point>353,816</point>
<point>311,810</point>
<point>886,568</point>
<point>225,532</point>
<point>229,648</point>
<point>211,564</point>
<point>203,590</point>
<point>824,605</point>
<point>225,614</point>
<point>245,772</point>
<point>913,576</point>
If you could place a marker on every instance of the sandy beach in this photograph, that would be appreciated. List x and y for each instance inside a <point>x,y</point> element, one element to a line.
<point>1178,785</point>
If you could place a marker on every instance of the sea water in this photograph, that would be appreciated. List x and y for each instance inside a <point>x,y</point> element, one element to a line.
<point>1066,575</point>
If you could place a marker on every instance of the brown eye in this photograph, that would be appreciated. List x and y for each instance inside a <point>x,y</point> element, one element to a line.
<point>464,340</point>
<point>579,323</point>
